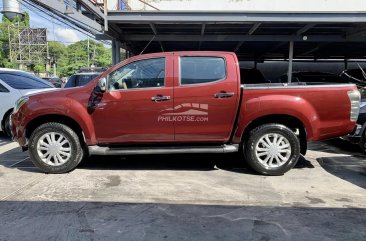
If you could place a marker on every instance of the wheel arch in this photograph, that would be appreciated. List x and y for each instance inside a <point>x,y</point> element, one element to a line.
<point>287,120</point>
<point>62,119</point>
<point>8,112</point>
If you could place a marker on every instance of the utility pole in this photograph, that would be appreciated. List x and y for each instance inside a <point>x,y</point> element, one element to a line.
<point>54,67</point>
<point>94,57</point>
<point>88,52</point>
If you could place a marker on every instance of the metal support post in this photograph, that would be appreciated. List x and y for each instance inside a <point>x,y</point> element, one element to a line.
<point>114,61</point>
<point>105,15</point>
<point>290,61</point>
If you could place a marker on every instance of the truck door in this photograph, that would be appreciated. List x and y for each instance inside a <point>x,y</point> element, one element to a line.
<point>205,97</point>
<point>138,92</point>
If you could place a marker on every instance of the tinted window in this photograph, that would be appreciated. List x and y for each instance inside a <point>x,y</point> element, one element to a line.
<point>84,79</point>
<point>71,82</point>
<point>3,89</point>
<point>140,74</point>
<point>195,70</point>
<point>24,81</point>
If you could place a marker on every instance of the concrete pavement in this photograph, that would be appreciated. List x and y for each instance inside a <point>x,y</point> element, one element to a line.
<point>185,197</point>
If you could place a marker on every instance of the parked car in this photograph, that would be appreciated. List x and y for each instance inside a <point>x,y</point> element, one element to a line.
<point>54,81</point>
<point>83,77</point>
<point>148,104</point>
<point>13,85</point>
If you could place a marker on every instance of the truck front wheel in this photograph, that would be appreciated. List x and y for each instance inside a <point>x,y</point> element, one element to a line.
<point>55,148</point>
<point>272,149</point>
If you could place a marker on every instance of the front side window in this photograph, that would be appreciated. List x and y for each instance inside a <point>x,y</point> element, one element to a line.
<point>196,70</point>
<point>20,81</point>
<point>3,89</point>
<point>145,73</point>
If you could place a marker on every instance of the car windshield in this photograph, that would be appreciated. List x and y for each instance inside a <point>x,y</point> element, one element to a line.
<point>22,80</point>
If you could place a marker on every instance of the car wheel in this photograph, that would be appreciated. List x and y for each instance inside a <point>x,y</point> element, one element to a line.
<point>55,148</point>
<point>7,128</point>
<point>272,149</point>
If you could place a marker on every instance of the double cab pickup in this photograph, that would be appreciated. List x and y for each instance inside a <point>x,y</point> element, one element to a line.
<point>182,102</point>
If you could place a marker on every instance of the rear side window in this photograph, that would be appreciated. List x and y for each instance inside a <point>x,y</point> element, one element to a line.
<point>3,89</point>
<point>19,81</point>
<point>196,70</point>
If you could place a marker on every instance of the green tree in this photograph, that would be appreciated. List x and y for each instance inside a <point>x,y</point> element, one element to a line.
<point>77,56</point>
<point>57,52</point>
<point>22,21</point>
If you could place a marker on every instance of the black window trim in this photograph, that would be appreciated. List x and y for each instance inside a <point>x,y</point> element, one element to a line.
<point>136,89</point>
<point>210,56</point>
<point>7,90</point>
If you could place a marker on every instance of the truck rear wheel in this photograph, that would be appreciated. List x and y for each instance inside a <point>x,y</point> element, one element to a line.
<point>272,149</point>
<point>55,148</point>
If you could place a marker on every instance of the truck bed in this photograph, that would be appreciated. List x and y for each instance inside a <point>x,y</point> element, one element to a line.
<point>323,108</point>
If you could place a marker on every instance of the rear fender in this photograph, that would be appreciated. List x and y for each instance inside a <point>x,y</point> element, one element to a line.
<point>277,105</point>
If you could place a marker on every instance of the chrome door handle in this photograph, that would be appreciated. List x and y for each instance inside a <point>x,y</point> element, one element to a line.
<point>160,98</point>
<point>224,95</point>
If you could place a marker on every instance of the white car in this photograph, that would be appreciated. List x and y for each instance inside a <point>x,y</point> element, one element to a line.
<point>13,85</point>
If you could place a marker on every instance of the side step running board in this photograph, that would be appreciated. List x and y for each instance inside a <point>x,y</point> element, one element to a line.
<point>98,150</point>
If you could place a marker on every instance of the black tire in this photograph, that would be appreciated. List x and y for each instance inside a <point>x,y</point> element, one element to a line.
<point>255,137</point>
<point>7,129</point>
<point>77,150</point>
<point>363,141</point>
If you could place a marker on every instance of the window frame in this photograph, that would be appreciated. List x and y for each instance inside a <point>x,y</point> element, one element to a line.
<point>7,90</point>
<point>47,85</point>
<point>204,56</point>
<point>136,89</point>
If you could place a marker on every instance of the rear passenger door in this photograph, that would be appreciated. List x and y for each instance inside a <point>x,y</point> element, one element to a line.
<point>205,97</point>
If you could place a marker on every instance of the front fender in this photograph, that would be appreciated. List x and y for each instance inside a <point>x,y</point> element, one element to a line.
<point>68,107</point>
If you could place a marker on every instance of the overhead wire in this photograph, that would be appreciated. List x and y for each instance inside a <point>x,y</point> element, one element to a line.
<point>33,8</point>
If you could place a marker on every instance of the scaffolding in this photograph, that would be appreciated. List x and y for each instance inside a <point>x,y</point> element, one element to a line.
<point>28,45</point>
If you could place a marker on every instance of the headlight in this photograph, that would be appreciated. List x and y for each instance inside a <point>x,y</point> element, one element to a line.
<point>21,101</point>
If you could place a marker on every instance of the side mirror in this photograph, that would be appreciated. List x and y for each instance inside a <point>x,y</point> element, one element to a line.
<point>101,86</point>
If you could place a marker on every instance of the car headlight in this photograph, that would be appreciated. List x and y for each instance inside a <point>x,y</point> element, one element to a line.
<point>20,102</point>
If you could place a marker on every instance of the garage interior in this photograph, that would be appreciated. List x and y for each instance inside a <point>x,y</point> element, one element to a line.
<point>275,43</point>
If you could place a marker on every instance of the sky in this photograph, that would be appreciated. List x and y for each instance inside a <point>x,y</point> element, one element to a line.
<point>56,30</point>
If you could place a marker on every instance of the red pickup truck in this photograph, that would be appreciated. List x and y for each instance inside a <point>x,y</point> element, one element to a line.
<point>182,102</point>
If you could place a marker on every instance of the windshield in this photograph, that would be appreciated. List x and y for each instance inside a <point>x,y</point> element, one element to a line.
<point>20,80</point>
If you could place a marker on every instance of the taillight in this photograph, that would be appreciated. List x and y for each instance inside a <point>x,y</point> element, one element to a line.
<point>355,98</point>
